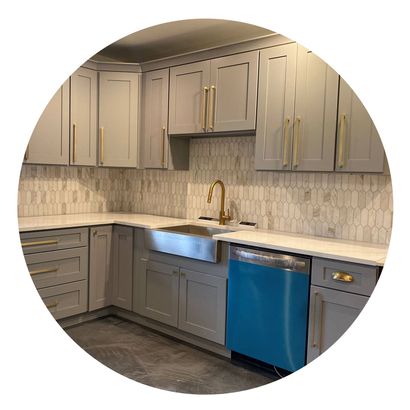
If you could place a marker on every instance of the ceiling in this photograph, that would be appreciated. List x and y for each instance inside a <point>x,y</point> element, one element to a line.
<point>177,38</point>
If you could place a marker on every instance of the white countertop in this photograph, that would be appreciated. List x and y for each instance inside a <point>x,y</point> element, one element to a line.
<point>350,251</point>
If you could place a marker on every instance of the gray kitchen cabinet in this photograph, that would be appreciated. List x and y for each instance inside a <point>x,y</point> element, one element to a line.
<point>118,113</point>
<point>83,118</point>
<point>155,118</point>
<point>338,293</point>
<point>202,305</point>
<point>122,260</point>
<point>188,90</point>
<point>158,292</point>
<point>100,282</point>
<point>274,131</point>
<point>49,142</point>
<point>216,95</point>
<point>315,118</point>
<point>359,148</point>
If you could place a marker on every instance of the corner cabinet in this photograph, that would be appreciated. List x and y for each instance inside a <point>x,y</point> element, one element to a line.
<point>338,293</point>
<point>49,143</point>
<point>359,148</point>
<point>83,118</point>
<point>296,112</point>
<point>118,113</point>
<point>216,95</point>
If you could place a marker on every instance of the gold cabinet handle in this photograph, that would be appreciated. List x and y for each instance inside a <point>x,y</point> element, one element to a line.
<point>39,243</point>
<point>163,147</point>
<point>285,142</point>
<point>51,305</point>
<point>101,145</point>
<point>211,115</point>
<point>342,277</point>
<point>313,343</point>
<point>295,161</point>
<point>318,319</point>
<point>204,107</point>
<point>26,153</point>
<point>342,137</point>
<point>45,270</point>
<point>74,143</point>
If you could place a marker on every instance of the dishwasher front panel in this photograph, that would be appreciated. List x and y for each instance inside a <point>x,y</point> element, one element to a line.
<point>267,313</point>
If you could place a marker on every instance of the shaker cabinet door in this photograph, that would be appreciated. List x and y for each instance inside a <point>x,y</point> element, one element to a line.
<point>359,148</point>
<point>50,139</point>
<point>275,108</point>
<point>154,136</point>
<point>83,120</point>
<point>315,114</point>
<point>233,93</point>
<point>188,92</point>
<point>118,111</point>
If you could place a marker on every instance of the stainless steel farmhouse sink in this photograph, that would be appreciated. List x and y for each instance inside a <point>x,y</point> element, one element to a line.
<point>191,241</point>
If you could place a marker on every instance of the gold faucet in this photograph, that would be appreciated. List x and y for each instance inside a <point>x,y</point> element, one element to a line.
<point>222,216</point>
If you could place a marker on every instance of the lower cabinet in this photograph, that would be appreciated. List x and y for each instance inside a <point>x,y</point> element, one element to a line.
<point>100,267</point>
<point>194,302</point>
<point>338,293</point>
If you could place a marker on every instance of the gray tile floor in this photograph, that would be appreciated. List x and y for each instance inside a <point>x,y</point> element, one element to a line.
<point>159,361</point>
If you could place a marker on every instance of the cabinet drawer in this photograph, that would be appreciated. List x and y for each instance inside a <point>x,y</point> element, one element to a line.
<point>58,267</point>
<point>53,240</point>
<point>66,300</point>
<point>346,276</point>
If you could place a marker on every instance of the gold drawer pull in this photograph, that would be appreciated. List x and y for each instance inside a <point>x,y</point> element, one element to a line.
<point>38,243</point>
<point>285,153</point>
<point>342,277</point>
<point>342,137</point>
<point>45,270</point>
<point>74,143</point>
<point>51,305</point>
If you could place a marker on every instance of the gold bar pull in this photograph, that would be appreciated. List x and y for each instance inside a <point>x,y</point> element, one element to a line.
<point>51,305</point>
<point>317,328</point>
<point>26,153</point>
<point>39,243</point>
<point>74,143</point>
<point>342,136</point>
<point>211,116</point>
<point>313,342</point>
<point>163,147</point>
<point>285,142</point>
<point>101,145</point>
<point>204,108</point>
<point>45,270</point>
<point>342,277</point>
<point>295,161</point>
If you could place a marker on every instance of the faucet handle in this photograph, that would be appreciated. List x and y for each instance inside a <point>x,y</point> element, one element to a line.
<point>227,215</point>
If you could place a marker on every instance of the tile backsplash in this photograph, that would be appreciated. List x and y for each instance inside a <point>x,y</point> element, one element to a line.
<point>344,206</point>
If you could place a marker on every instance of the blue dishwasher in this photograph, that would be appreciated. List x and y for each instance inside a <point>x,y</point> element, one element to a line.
<point>268,295</point>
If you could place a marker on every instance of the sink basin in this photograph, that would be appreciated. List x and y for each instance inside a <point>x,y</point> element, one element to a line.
<point>191,241</point>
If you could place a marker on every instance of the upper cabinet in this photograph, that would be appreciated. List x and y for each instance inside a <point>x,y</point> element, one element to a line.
<point>277,75</point>
<point>83,119</point>
<point>49,142</point>
<point>118,111</point>
<point>154,130</point>
<point>359,148</point>
<point>296,112</point>
<point>216,95</point>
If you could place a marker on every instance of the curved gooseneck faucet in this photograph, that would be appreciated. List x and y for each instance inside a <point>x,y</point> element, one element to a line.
<point>222,216</point>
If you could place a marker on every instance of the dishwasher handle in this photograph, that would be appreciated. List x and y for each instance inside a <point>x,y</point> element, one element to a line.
<point>271,259</point>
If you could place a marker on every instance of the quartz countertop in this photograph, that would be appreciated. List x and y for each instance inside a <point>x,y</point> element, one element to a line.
<point>349,251</point>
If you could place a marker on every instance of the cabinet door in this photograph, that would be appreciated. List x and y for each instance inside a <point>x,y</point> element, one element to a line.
<point>122,255</point>
<point>202,305</point>
<point>359,148</point>
<point>275,108</point>
<point>315,114</point>
<point>118,105</point>
<point>100,267</point>
<point>233,92</point>
<point>187,98</point>
<point>331,314</point>
<point>50,139</point>
<point>159,292</point>
<point>155,118</point>
<point>83,121</point>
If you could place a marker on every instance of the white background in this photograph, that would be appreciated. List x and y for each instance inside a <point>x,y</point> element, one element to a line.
<point>43,42</point>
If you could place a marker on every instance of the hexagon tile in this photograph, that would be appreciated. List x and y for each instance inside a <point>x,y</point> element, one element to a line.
<point>344,206</point>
